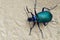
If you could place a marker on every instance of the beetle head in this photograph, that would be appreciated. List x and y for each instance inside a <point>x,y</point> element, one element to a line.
<point>30,19</point>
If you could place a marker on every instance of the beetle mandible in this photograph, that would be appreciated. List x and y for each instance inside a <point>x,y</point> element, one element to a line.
<point>41,17</point>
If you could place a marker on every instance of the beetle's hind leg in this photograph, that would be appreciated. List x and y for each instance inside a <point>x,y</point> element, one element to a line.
<point>40,29</point>
<point>32,27</point>
<point>45,8</point>
<point>45,24</point>
<point>49,8</point>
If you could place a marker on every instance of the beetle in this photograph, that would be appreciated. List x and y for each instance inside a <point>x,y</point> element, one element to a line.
<point>45,16</point>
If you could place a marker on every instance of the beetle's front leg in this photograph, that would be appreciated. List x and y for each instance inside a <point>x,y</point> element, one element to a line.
<point>32,27</point>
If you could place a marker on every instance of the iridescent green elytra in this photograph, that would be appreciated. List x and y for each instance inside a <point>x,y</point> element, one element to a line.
<point>44,16</point>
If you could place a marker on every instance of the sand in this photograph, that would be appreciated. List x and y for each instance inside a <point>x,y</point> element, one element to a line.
<point>14,25</point>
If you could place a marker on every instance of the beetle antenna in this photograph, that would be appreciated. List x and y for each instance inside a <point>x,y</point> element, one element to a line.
<point>26,12</point>
<point>27,16</point>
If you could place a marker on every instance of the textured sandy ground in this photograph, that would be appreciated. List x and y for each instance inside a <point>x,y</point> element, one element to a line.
<point>13,24</point>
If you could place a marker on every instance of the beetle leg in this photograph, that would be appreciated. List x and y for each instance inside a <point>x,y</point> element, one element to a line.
<point>53,7</point>
<point>32,28</point>
<point>35,7</point>
<point>40,29</point>
<point>45,24</point>
<point>45,8</point>
<point>42,9</point>
<point>49,8</point>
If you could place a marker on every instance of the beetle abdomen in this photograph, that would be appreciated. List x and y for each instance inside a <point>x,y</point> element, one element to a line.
<point>45,16</point>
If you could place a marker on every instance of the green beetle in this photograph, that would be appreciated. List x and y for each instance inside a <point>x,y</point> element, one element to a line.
<point>44,17</point>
